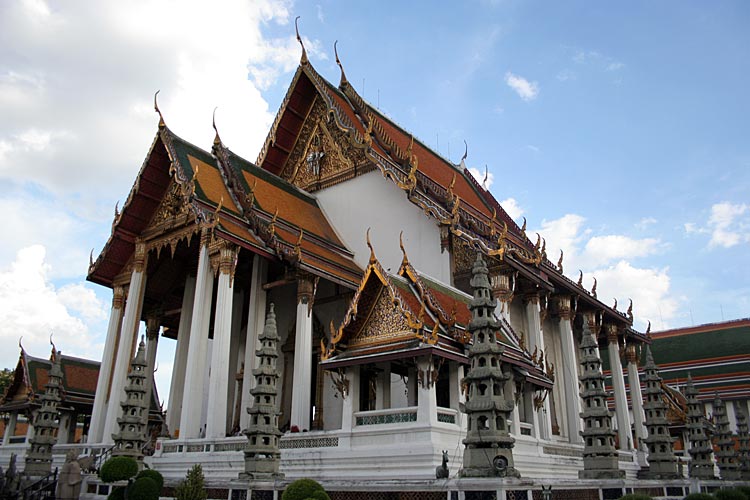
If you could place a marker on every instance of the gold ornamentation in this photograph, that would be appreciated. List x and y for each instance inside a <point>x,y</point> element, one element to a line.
<point>562,307</point>
<point>118,297</point>
<point>139,257</point>
<point>384,323</point>
<point>560,262</point>
<point>523,228</point>
<point>303,59</point>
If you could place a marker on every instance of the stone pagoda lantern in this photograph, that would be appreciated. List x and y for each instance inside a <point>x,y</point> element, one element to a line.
<point>46,420</point>
<point>489,445</point>
<point>132,436</point>
<point>701,451</point>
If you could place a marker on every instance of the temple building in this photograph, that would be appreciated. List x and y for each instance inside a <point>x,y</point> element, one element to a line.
<point>365,241</point>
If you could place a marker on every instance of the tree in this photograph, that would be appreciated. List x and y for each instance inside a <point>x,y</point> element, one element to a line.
<point>6,378</point>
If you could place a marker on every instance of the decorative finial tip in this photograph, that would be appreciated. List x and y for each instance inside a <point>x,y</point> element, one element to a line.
<point>303,59</point>
<point>338,61</point>
<point>156,108</point>
<point>217,139</point>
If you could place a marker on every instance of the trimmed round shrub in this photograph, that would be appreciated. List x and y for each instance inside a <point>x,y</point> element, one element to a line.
<point>118,469</point>
<point>151,473</point>
<point>117,493</point>
<point>730,494</point>
<point>700,496</point>
<point>302,489</point>
<point>320,495</point>
<point>635,496</point>
<point>143,488</point>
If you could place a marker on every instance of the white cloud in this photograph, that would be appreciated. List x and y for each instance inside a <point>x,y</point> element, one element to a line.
<point>727,226</point>
<point>646,222</point>
<point>566,75</point>
<point>511,206</point>
<point>614,66</point>
<point>608,258</point>
<point>525,89</point>
<point>480,177</point>
<point>30,306</point>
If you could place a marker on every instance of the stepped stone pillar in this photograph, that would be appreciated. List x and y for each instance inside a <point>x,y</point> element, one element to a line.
<point>743,454</point>
<point>255,319</point>
<point>569,377</point>
<point>128,337</point>
<point>99,412</point>
<point>661,458</point>
<point>636,397</point>
<point>45,422</point>
<point>262,456</point>
<point>599,453</point>
<point>132,424</point>
<point>726,456</point>
<point>10,428</point>
<point>177,384</point>
<point>300,416</point>
<point>618,384</point>
<point>489,445</point>
<point>701,451</point>
<point>218,383</point>
<point>192,399</point>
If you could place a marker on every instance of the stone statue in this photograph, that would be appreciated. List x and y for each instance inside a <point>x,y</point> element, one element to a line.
<point>12,480</point>
<point>69,481</point>
<point>441,472</point>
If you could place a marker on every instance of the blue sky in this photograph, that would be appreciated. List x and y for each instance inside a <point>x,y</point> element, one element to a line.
<point>618,130</point>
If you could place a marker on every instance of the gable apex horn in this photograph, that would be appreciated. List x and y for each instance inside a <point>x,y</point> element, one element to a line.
<point>343,81</point>
<point>162,123</point>
<point>303,58</point>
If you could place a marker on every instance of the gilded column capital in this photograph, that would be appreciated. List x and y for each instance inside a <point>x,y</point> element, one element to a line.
<point>531,298</point>
<point>153,323</point>
<point>612,333</point>
<point>205,236</point>
<point>502,286</point>
<point>139,257</point>
<point>307,285</point>
<point>631,353</point>
<point>562,307</point>
<point>118,297</point>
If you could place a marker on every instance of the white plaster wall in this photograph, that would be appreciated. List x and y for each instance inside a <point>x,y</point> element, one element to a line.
<point>373,201</point>
<point>284,299</point>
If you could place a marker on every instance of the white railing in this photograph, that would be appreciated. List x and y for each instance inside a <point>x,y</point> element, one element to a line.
<point>223,445</point>
<point>386,416</point>
<point>447,415</point>
<point>527,429</point>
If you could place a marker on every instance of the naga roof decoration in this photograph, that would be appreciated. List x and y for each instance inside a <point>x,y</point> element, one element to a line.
<point>315,113</point>
<point>393,316</point>
<point>182,189</point>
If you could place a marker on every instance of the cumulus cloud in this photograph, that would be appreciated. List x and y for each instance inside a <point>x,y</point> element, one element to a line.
<point>511,206</point>
<point>30,306</point>
<point>728,227</point>
<point>610,258</point>
<point>525,89</point>
<point>728,224</point>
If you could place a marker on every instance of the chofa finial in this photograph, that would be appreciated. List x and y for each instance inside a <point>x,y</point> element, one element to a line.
<point>217,139</point>
<point>466,154</point>
<point>523,228</point>
<point>303,59</point>
<point>593,288</point>
<point>369,245</point>
<point>341,66</point>
<point>162,124</point>
<point>580,278</point>
<point>560,262</point>
<point>630,310</point>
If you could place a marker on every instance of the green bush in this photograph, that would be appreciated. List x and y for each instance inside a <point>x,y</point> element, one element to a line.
<point>635,496</point>
<point>744,489</point>
<point>117,493</point>
<point>192,488</point>
<point>152,474</point>
<point>118,469</point>
<point>700,496</point>
<point>303,489</point>
<point>143,488</point>
<point>730,494</point>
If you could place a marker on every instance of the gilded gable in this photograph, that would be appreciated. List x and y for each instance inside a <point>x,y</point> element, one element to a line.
<point>385,323</point>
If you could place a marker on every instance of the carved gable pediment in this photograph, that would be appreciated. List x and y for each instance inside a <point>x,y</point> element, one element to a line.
<point>323,154</point>
<point>385,322</point>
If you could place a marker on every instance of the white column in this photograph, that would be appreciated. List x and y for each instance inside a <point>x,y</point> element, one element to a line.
<point>618,383</point>
<point>153,325</point>
<point>510,395</point>
<point>99,412</point>
<point>569,370</point>
<point>255,322</point>
<point>636,398</point>
<point>192,404</point>
<point>458,397</point>
<point>234,360</point>
<point>177,384</point>
<point>128,336</point>
<point>426,395</point>
<point>218,383</point>
<point>302,354</point>
<point>383,388</point>
<point>10,428</point>
<point>731,415</point>
<point>542,422</point>
<point>63,429</point>
<point>351,400</point>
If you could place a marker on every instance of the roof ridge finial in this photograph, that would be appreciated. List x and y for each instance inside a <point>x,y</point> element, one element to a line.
<point>486,177</point>
<point>343,80</point>
<point>466,154</point>
<point>648,330</point>
<point>580,278</point>
<point>369,245</point>
<point>630,310</point>
<point>560,262</point>
<point>303,59</point>
<point>217,139</point>
<point>593,288</point>
<point>162,123</point>
<point>403,249</point>
<point>20,345</point>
